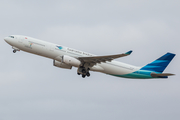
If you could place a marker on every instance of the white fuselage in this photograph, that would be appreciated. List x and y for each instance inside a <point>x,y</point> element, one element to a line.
<point>51,51</point>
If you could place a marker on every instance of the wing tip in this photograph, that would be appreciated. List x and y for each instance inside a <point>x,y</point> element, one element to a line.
<point>129,52</point>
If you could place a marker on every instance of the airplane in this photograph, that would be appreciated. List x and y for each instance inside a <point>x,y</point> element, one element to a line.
<point>65,57</point>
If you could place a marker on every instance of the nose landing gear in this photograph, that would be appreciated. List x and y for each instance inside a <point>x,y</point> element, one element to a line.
<point>14,51</point>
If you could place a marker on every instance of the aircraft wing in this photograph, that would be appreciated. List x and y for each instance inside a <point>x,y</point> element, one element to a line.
<point>98,59</point>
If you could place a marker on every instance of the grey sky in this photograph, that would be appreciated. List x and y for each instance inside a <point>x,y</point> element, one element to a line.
<point>32,88</point>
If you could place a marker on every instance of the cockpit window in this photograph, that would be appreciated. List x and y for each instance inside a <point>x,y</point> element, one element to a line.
<point>11,36</point>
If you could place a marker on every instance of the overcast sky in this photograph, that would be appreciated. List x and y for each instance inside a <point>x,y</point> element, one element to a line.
<point>31,88</point>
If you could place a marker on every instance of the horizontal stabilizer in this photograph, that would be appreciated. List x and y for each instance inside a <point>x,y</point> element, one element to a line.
<point>162,75</point>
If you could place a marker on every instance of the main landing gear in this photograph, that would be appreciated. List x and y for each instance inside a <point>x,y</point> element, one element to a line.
<point>83,71</point>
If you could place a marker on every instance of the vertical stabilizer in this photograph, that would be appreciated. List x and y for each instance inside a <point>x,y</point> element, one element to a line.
<point>160,64</point>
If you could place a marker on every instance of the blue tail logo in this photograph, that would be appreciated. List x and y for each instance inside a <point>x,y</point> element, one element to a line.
<point>160,64</point>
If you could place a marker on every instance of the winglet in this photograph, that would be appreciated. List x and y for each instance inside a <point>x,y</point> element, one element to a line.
<point>129,52</point>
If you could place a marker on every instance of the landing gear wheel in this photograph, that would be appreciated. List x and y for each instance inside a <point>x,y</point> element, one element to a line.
<point>78,73</point>
<point>83,71</point>
<point>88,74</point>
<point>14,51</point>
<point>83,76</point>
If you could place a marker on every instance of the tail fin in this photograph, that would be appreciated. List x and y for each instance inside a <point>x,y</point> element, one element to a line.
<point>160,64</point>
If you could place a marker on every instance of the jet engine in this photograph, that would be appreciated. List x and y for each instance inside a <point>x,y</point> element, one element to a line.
<point>71,61</point>
<point>61,65</point>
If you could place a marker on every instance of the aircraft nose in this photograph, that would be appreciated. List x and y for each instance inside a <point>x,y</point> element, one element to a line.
<point>6,39</point>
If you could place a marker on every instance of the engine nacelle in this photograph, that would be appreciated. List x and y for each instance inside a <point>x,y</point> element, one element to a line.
<point>61,65</point>
<point>71,61</point>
